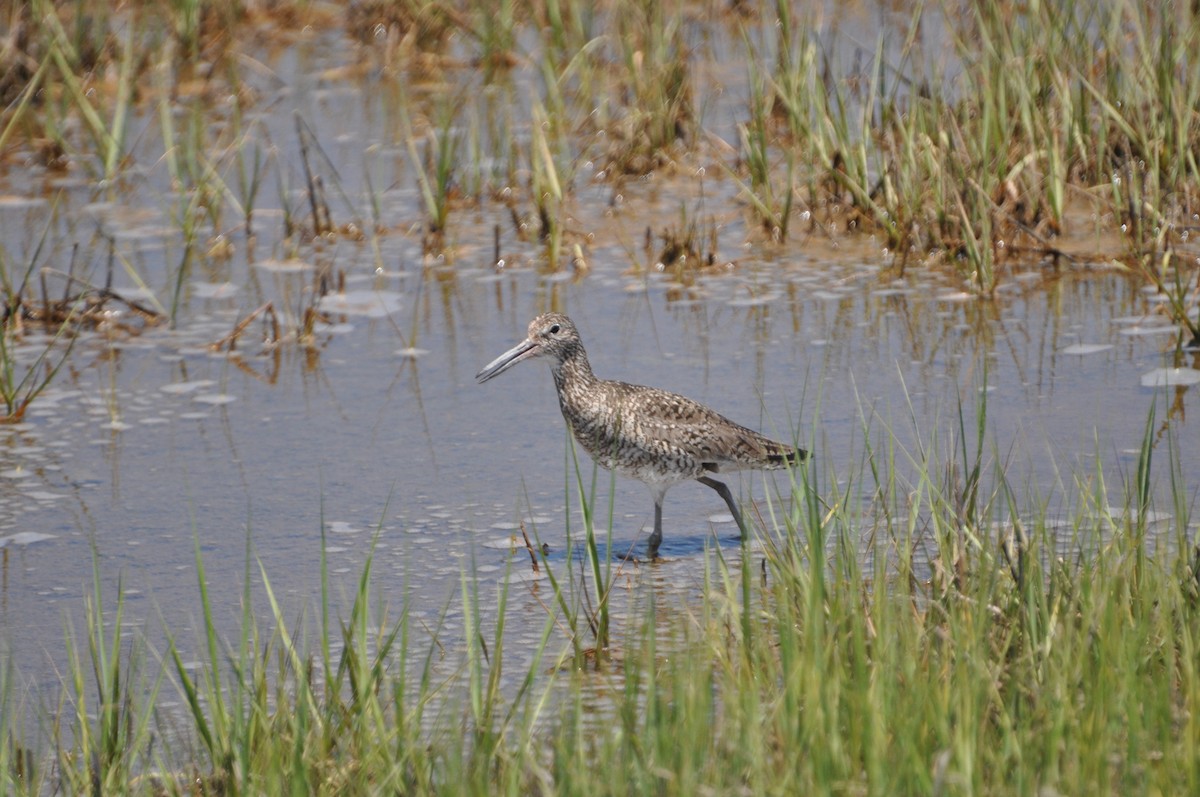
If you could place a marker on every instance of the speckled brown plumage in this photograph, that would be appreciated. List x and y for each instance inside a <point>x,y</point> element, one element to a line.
<point>659,438</point>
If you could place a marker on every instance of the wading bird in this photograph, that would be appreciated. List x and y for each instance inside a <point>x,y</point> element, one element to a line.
<point>659,438</point>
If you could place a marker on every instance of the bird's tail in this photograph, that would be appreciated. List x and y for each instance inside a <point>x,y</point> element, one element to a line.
<point>786,455</point>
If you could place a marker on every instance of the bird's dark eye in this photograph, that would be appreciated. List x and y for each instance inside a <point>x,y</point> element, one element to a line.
<point>554,329</point>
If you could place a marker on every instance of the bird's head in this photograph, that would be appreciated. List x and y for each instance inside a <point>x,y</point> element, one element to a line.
<point>550,335</point>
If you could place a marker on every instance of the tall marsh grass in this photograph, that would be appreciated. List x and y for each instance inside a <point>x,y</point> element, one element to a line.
<point>970,137</point>
<point>983,152</point>
<point>948,636</point>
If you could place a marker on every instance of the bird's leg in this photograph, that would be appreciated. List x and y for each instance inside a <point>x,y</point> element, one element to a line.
<point>723,491</point>
<point>656,537</point>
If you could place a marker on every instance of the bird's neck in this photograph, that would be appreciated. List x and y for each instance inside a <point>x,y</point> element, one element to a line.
<point>573,372</point>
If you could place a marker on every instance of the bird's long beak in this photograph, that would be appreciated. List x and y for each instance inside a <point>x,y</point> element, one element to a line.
<point>525,350</point>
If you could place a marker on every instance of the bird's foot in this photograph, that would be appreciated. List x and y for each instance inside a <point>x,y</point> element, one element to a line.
<point>652,546</point>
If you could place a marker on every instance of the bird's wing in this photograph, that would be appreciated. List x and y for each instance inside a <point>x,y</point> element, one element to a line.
<point>691,428</point>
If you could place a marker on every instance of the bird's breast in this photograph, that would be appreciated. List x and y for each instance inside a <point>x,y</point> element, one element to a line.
<point>621,444</point>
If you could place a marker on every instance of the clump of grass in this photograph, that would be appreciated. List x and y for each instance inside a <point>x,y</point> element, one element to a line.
<point>80,306</point>
<point>20,765</point>
<point>112,735</point>
<point>495,27</point>
<point>420,26</point>
<point>686,247</point>
<point>436,175</point>
<point>570,28</point>
<point>598,560</point>
<point>17,389</point>
<point>977,167</point>
<point>323,225</point>
<point>772,201</point>
<point>547,184</point>
<point>654,91</point>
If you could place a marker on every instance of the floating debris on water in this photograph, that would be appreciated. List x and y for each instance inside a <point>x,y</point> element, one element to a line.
<point>954,296</point>
<point>1171,377</point>
<point>828,296</point>
<point>214,398</point>
<point>13,201</point>
<point>214,290</point>
<point>755,301</point>
<point>525,576</point>
<point>1086,348</point>
<point>1138,331</point>
<point>26,538</point>
<point>289,266</point>
<point>501,543</point>
<point>186,387</point>
<point>42,495</point>
<point>372,304</point>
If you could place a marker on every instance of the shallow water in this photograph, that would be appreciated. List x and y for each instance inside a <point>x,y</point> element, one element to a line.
<point>134,454</point>
<point>147,445</point>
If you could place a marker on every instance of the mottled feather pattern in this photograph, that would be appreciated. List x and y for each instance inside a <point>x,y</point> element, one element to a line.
<point>646,433</point>
<point>656,437</point>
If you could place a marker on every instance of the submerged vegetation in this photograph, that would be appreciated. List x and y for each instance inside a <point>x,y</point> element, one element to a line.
<point>943,638</point>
